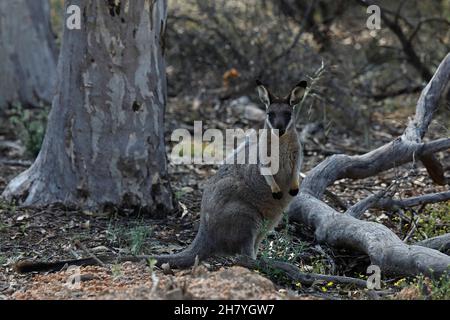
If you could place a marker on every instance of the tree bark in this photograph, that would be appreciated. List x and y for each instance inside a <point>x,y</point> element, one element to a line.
<point>104,145</point>
<point>383,247</point>
<point>27,53</point>
<point>441,243</point>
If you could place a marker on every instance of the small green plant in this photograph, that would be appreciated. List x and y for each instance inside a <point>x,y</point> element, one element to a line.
<point>434,221</point>
<point>8,207</point>
<point>30,127</point>
<point>281,245</point>
<point>137,236</point>
<point>179,194</point>
<point>433,289</point>
<point>116,271</point>
<point>151,264</point>
<point>114,234</point>
<point>318,266</point>
<point>278,246</point>
<point>133,237</point>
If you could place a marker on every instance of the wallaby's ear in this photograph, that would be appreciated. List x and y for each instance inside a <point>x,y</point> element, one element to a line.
<point>264,94</point>
<point>297,93</point>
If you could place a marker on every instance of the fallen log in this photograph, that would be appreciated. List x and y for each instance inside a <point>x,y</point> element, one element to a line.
<point>383,246</point>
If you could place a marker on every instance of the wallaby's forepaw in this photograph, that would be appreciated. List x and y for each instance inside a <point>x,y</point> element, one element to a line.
<point>277,195</point>
<point>293,192</point>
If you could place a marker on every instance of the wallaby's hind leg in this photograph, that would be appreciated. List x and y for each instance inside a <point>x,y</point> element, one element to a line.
<point>263,231</point>
<point>258,241</point>
<point>235,230</point>
<point>249,249</point>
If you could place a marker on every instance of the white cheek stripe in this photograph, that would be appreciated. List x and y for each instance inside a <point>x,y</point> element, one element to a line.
<point>289,124</point>
<point>270,126</point>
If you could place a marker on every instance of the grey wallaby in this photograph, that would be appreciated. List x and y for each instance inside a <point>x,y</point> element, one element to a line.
<point>239,203</point>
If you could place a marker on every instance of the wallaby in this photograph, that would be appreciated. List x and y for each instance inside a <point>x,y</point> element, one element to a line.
<point>239,203</point>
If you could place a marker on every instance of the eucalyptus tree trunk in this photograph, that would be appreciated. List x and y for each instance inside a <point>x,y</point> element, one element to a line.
<point>104,144</point>
<point>27,53</point>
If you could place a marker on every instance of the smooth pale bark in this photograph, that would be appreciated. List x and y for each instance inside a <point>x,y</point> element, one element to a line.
<point>27,53</point>
<point>104,145</point>
<point>441,243</point>
<point>383,246</point>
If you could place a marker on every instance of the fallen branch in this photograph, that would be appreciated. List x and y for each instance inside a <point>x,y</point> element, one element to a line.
<point>90,254</point>
<point>295,274</point>
<point>441,243</point>
<point>383,247</point>
<point>358,209</point>
<point>394,93</point>
<point>387,203</point>
<point>336,200</point>
<point>434,169</point>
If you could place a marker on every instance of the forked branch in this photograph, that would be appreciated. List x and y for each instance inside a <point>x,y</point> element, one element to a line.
<point>383,247</point>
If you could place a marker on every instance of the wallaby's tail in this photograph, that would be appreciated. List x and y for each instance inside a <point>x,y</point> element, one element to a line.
<point>30,266</point>
<point>183,259</point>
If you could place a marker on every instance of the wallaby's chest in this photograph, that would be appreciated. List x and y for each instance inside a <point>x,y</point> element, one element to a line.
<point>289,157</point>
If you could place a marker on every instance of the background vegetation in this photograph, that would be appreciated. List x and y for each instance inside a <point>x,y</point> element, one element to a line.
<point>367,85</point>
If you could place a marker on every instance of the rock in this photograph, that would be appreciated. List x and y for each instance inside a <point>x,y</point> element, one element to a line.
<point>187,189</point>
<point>167,270</point>
<point>175,294</point>
<point>248,109</point>
<point>408,293</point>
<point>253,113</point>
<point>239,102</point>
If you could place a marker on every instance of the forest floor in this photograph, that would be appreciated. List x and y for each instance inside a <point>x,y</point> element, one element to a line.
<point>53,233</point>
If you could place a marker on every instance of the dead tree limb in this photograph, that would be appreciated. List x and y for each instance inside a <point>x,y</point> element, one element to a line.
<point>295,274</point>
<point>383,247</point>
<point>358,209</point>
<point>441,243</point>
<point>434,169</point>
<point>388,203</point>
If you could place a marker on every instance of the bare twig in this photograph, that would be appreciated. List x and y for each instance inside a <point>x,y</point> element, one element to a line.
<point>384,93</point>
<point>295,274</point>
<point>425,21</point>
<point>16,163</point>
<point>387,203</point>
<point>89,253</point>
<point>411,230</point>
<point>336,200</point>
<point>358,209</point>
